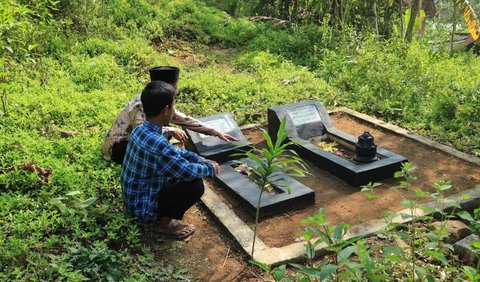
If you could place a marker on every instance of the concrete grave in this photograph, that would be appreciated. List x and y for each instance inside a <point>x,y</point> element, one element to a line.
<point>294,251</point>
<point>272,203</point>
<point>211,147</point>
<point>308,122</point>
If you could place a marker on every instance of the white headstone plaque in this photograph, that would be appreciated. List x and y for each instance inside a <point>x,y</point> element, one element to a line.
<point>303,115</point>
<point>220,124</point>
<point>214,148</point>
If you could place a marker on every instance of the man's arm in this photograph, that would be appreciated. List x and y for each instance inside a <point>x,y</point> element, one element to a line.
<point>175,165</point>
<point>189,156</point>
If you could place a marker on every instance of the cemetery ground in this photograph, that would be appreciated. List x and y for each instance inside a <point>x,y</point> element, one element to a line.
<point>69,67</point>
<point>212,254</point>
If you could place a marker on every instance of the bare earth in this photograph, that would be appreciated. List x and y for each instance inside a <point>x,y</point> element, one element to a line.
<point>210,255</point>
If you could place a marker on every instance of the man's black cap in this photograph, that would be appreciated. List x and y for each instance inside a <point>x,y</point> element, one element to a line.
<point>166,74</point>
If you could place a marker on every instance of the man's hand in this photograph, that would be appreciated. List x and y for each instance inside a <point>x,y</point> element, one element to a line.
<point>180,135</point>
<point>217,166</point>
<point>226,137</point>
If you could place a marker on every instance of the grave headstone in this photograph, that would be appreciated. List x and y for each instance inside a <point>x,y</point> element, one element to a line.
<point>212,147</point>
<point>308,124</point>
<point>272,203</point>
<point>305,119</point>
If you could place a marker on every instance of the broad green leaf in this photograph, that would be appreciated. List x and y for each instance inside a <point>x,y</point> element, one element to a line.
<point>420,194</point>
<point>338,231</point>
<point>260,264</point>
<point>313,272</point>
<point>56,200</point>
<point>441,257</point>
<point>408,203</point>
<point>465,216</point>
<point>308,233</point>
<point>323,237</point>
<point>327,271</point>
<point>353,265</point>
<point>470,272</point>
<point>345,253</point>
<point>279,272</point>
<point>88,202</point>
<point>268,139</point>
<point>420,271</point>
<point>476,245</point>
<point>310,250</point>
<point>431,246</point>
<point>365,189</point>
<point>398,174</point>
<point>402,235</point>
<point>393,250</point>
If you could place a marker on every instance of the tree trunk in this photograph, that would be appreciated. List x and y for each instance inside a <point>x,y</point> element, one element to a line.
<point>376,16</point>
<point>285,10</point>
<point>336,12</point>
<point>414,12</point>
<point>454,26</point>
<point>294,16</point>
<point>402,21</point>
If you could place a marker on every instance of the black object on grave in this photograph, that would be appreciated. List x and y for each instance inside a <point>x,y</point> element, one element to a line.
<point>365,149</point>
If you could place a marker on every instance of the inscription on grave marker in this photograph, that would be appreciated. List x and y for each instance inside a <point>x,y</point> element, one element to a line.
<point>220,124</point>
<point>304,115</point>
<point>213,147</point>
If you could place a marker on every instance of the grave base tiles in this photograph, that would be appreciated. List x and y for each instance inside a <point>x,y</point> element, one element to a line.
<point>308,120</point>
<point>212,147</point>
<point>272,203</point>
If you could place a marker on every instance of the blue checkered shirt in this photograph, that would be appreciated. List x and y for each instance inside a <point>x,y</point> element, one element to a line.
<point>152,163</point>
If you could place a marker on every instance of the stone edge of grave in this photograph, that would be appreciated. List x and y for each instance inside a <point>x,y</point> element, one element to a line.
<point>410,135</point>
<point>295,252</point>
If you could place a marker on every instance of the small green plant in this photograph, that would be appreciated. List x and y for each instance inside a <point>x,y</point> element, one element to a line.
<point>72,204</point>
<point>424,253</point>
<point>352,259</point>
<point>270,164</point>
<point>97,262</point>
<point>472,274</point>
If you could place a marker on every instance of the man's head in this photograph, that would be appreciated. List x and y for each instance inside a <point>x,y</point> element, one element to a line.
<point>167,74</point>
<point>158,100</point>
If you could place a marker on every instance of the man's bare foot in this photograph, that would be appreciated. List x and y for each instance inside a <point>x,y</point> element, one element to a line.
<point>173,228</point>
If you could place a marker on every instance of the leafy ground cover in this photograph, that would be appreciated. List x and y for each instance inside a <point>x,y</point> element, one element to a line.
<point>72,65</point>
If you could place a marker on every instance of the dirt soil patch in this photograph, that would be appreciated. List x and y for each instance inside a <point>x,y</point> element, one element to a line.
<point>208,255</point>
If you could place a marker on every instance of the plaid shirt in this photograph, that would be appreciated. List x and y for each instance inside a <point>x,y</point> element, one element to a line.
<point>152,163</point>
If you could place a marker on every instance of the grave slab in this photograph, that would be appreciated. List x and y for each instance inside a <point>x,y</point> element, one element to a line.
<point>308,120</point>
<point>272,203</point>
<point>211,147</point>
